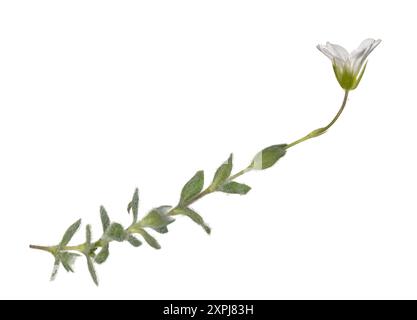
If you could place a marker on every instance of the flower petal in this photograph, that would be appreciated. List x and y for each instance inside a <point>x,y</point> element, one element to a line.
<point>325,51</point>
<point>332,54</point>
<point>365,44</point>
<point>359,55</point>
<point>338,51</point>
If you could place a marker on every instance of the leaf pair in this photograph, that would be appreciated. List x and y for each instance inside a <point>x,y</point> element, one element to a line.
<point>66,259</point>
<point>115,231</point>
<point>88,254</point>
<point>193,188</point>
<point>221,180</point>
<point>188,212</point>
<point>220,183</point>
<point>103,254</point>
<point>158,220</point>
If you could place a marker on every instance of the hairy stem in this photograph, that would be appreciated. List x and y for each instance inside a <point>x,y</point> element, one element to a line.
<point>43,248</point>
<point>199,196</point>
<point>79,248</point>
<point>241,172</point>
<point>130,230</point>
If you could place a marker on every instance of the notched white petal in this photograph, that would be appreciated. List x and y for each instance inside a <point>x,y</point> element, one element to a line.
<point>374,45</point>
<point>358,61</point>
<point>337,54</point>
<point>325,51</point>
<point>365,44</point>
<point>338,51</point>
<point>365,48</point>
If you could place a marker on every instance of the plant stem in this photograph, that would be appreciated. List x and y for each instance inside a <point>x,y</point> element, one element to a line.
<point>312,134</point>
<point>44,248</point>
<point>241,172</point>
<point>199,196</point>
<point>80,247</point>
<point>208,190</point>
<point>320,131</point>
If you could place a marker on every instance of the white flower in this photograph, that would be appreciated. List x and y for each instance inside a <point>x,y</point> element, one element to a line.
<point>349,68</point>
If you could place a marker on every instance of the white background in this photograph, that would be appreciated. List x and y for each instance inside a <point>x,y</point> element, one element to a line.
<point>98,97</point>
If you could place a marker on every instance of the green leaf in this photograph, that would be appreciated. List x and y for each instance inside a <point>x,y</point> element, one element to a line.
<point>157,219</point>
<point>55,268</point>
<point>268,157</point>
<point>68,259</point>
<point>235,188</point>
<point>222,173</point>
<point>105,220</point>
<point>134,205</point>
<point>103,254</point>
<point>116,232</point>
<point>192,188</point>
<point>134,241</point>
<point>92,270</point>
<point>88,234</point>
<point>161,230</point>
<point>149,239</point>
<point>69,234</point>
<point>193,216</point>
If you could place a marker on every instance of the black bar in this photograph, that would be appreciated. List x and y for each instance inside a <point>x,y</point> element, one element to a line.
<point>213,309</point>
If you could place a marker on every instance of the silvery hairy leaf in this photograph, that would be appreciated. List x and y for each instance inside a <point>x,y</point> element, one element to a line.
<point>192,188</point>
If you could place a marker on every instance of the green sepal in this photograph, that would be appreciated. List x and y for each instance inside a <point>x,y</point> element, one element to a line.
<point>358,79</point>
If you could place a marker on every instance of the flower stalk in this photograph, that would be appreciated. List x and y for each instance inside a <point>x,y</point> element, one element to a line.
<point>320,131</point>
